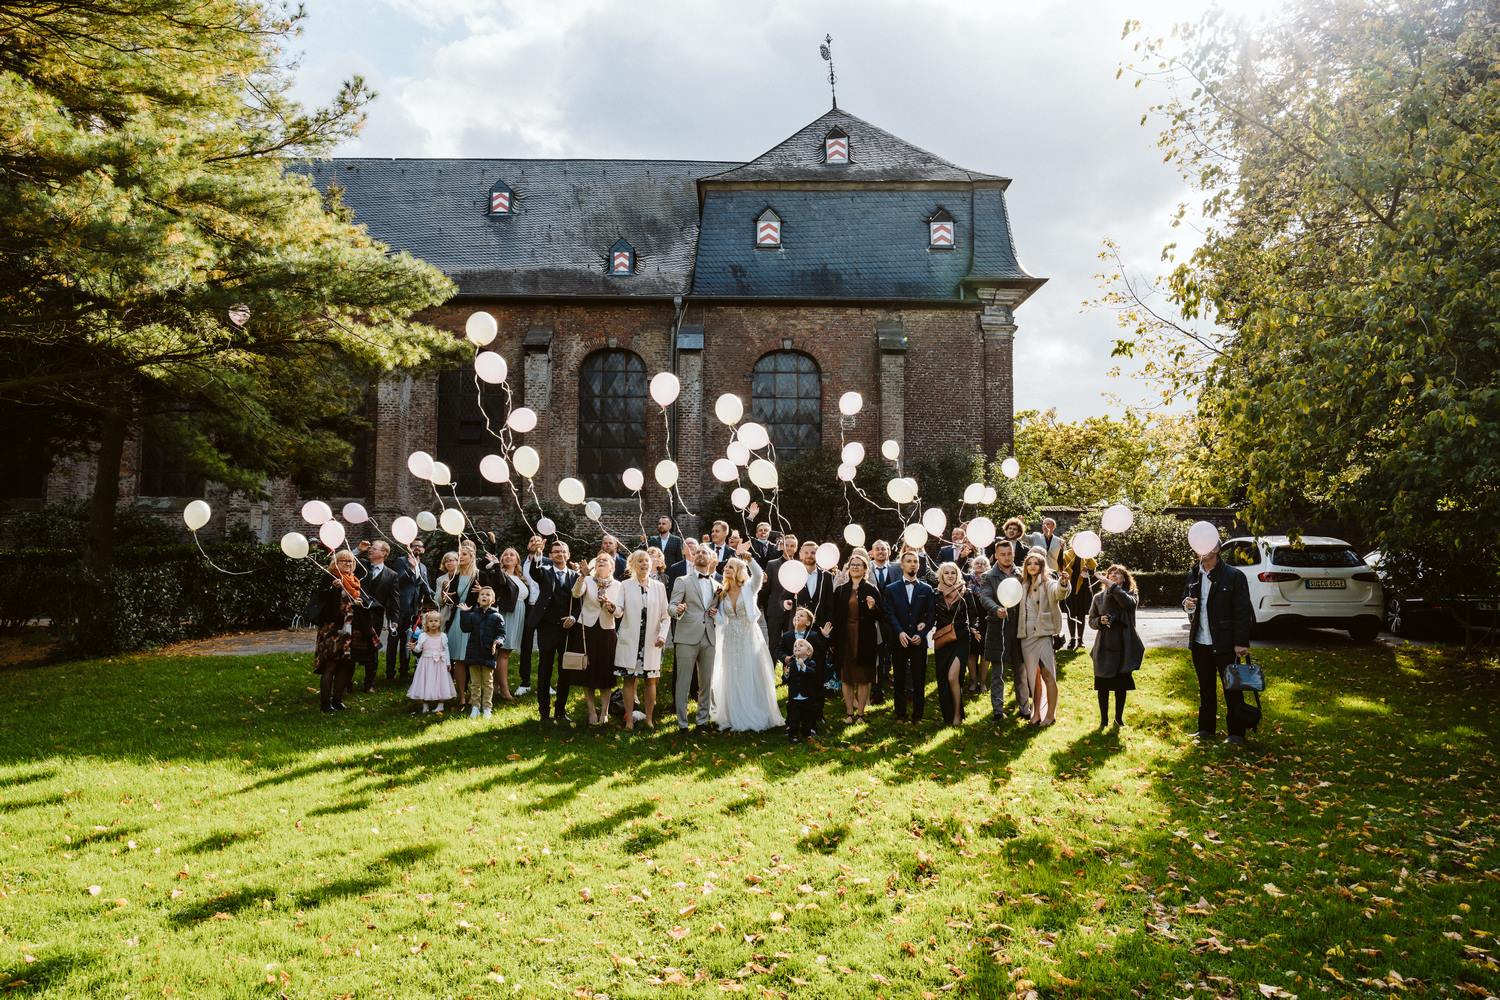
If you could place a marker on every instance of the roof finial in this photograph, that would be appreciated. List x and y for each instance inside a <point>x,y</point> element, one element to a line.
<point>827,50</point>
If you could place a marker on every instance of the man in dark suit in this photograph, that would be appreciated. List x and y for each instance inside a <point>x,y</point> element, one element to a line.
<point>413,586</point>
<point>958,551</point>
<point>669,543</point>
<point>379,585</point>
<point>911,606</point>
<point>556,622</point>
<point>772,594</point>
<point>817,593</point>
<point>681,566</point>
<point>1216,597</point>
<point>718,542</point>
<point>883,573</point>
<point>536,559</point>
<point>610,546</point>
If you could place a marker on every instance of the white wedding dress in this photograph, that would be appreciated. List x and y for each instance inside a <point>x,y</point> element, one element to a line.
<point>744,682</point>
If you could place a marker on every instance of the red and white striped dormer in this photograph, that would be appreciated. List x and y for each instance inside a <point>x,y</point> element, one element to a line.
<point>501,198</point>
<point>621,259</point>
<point>768,230</point>
<point>940,230</point>
<point>836,147</point>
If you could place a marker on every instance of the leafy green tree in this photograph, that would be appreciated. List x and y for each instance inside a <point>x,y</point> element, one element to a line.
<point>159,263</point>
<point>1340,323</point>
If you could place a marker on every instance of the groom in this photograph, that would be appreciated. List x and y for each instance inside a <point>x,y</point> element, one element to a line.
<point>693,609</point>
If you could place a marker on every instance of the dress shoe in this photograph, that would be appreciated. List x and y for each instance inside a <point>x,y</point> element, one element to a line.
<point>1234,741</point>
<point>339,706</point>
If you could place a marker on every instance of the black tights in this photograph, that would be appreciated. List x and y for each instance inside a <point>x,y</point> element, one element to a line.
<point>1104,707</point>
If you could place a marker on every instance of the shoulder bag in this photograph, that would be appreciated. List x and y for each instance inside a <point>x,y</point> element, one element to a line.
<point>575,659</point>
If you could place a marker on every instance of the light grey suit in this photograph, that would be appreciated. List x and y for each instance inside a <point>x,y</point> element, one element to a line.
<point>693,641</point>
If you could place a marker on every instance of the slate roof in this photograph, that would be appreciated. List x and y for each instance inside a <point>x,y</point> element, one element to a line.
<point>566,214</point>
<point>874,155</point>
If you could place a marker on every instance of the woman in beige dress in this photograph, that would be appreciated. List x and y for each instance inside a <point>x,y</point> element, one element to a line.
<point>1042,594</point>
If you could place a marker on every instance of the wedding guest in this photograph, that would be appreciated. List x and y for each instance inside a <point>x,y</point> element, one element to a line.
<point>883,573</point>
<point>802,628</point>
<point>642,635</point>
<point>536,561</point>
<point>433,683</point>
<point>1002,643</point>
<point>346,637</point>
<point>664,539</point>
<point>1118,650</point>
<point>1042,593</point>
<point>610,546</point>
<point>762,549</point>
<point>413,588</point>
<point>458,578</point>
<point>658,563</point>
<point>773,594</point>
<point>556,621</point>
<point>910,607</point>
<point>802,683</point>
<point>484,626</point>
<point>600,594</point>
<point>1013,529</point>
<point>685,564</point>
<point>526,593</point>
<point>1050,543</point>
<point>817,592</point>
<point>718,542</point>
<point>381,589</point>
<point>958,551</point>
<point>1217,599</point>
<point>953,634</point>
<point>978,666</point>
<point>1080,574</point>
<point>842,576</point>
<point>851,625</point>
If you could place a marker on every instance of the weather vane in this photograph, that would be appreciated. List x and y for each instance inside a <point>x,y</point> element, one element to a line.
<point>827,50</point>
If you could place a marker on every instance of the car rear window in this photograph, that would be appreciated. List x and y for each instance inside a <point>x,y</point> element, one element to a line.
<point>1316,557</point>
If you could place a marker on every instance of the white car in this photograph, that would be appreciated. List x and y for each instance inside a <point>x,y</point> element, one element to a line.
<point>1321,582</point>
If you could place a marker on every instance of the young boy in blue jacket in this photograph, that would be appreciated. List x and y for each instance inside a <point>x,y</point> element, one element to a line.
<point>486,628</point>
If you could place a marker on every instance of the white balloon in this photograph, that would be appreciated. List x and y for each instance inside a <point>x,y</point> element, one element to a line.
<point>666,473</point>
<point>480,328</point>
<point>792,575</point>
<point>1009,592</point>
<point>725,471</point>
<point>854,534</point>
<point>828,556</point>
<point>853,453</point>
<point>592,510</point>
<point>355,513</point>
<point>1203,536</point>
<point>490,367</point>
<point>633,479</point>
<point>901,489</point>
<point>404,529</point>
<point>934,520</point>
<point>526,461</point>
<point>989,496</point>
<point>1087,545</point>
<point>521,420</point>
<point>1010,468</point>
<point>847,472</point>
<point>729,409</point>
<point>665,388</point>
<point>891,449</point>
<point>315,512</point>
<point>419,463</point>
<point>981,532</point>
<point>196,514</point>
<point>294,544</point>
<point>738,453</point>
<point>851,403</point>
<point>331,534</point>
<point>763,474</point>
<point>740,498</point>
<point>494,468</point>
<point>1116,519</point>
<point>452,521</point>
<point>441,474</point>
<point>973,492</point>
<point>544,526</point>
<point>914,535</point>
<point>754,435</point>
<point>571,490</point>
<point>426,520</point>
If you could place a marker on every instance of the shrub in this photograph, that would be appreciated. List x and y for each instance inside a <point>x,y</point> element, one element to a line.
<point>1155,543</point>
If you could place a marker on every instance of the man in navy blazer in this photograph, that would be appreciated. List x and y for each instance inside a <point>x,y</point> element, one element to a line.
<point>911,606</point>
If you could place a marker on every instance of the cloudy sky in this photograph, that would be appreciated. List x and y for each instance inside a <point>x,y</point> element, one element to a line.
<point>1026,90</point>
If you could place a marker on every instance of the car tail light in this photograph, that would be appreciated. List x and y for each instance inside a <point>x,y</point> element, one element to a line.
<point>1277,577</point>
<point>1366,578</point>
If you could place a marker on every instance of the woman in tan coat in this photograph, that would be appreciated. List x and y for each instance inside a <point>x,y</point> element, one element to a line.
<point>1042,594</point>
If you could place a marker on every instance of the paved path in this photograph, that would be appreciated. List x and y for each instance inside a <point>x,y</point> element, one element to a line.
<point>247,643</point>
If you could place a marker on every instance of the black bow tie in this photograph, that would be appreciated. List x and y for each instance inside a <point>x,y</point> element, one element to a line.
<point>704,576</point>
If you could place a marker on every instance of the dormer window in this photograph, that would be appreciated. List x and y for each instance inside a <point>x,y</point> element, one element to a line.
<point>622,259</point>
<point>500,199</point>
<point>836,147</point>
<point>768,231</point>
<point>940,230</point>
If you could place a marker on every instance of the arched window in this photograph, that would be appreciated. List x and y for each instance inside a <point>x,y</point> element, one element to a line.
<point>462,439</point>
<point>786,395</point>
<point>611,420</point>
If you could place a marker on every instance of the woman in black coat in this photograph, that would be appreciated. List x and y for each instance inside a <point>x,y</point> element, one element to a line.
<point>346,633</point>
<point>851,622</point>
<point>1118,650</point>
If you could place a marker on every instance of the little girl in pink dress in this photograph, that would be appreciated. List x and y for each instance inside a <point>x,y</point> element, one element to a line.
<point>433,680</point>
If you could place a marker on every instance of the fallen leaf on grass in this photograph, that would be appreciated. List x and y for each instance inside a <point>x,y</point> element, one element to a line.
<point>1276,992</point>
<point>677,933</point>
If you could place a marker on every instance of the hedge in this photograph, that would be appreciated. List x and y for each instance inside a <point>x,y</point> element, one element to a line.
<point>1160,590</point>
<point>154,595</point>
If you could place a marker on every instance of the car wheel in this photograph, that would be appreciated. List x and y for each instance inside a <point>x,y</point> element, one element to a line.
<point>1395,616</point>
<point>1365,630</point>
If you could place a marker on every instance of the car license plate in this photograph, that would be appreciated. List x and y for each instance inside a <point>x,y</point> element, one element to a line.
<point>1329,584</point>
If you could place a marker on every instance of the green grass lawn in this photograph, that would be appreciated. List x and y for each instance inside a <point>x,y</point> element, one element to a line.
<point>193,827</point>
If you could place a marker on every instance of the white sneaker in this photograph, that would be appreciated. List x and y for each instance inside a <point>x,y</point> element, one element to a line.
<point>522,691</point>
<point>474,712</point>
<point>426,708</point>
<point>488,712</point>
<point>438,710</point>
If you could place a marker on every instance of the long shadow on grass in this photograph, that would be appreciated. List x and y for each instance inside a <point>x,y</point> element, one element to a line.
<point>27,978</point>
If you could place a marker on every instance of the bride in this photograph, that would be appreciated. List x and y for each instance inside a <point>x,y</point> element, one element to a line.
<point>744,686</point>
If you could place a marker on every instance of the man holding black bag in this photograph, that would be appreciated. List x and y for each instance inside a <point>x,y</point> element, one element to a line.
<point>1217,599</point>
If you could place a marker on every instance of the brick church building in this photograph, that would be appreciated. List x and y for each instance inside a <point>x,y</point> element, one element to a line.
<point>842,258</point>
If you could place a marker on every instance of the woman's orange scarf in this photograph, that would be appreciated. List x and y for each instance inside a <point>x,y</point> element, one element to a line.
<point>350,582</point>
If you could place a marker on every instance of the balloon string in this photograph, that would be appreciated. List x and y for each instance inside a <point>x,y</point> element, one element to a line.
<point>221,569</point>
<point>640,507</point>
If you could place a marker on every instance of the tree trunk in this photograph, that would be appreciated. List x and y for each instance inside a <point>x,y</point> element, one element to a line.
<point>106,488</point>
